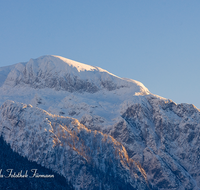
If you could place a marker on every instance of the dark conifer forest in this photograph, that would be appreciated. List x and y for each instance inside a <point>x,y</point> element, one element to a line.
<point>12,160</point>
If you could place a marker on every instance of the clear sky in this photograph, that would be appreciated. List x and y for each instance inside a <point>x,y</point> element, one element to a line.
<point>156,42</point>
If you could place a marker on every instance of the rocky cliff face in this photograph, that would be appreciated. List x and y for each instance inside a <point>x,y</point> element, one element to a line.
<point>164,138</point>
<point>121,136</point>
<point>88,159</point>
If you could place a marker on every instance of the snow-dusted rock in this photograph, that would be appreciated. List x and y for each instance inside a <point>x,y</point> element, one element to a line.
<point>89,159</point>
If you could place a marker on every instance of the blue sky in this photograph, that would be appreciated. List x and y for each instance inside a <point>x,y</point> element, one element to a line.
<point>156,42</point>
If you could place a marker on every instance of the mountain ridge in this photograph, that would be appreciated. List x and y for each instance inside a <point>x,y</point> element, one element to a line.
<point>64,74</point>
<point>59,139</point>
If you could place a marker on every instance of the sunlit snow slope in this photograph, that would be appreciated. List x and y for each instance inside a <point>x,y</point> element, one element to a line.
<point>65,87</point>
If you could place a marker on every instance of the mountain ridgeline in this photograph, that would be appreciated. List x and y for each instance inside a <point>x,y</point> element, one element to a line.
<point>95,130</point>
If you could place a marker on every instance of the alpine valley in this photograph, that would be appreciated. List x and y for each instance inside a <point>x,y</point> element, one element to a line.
<point>95,130</point>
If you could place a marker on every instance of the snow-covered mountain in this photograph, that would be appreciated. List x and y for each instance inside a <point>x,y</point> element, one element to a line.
<point>59,73</point>
<point>96,129</point>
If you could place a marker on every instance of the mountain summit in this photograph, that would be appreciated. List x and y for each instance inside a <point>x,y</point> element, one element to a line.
<point>60,73</point>
<point>98,130</point>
